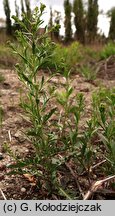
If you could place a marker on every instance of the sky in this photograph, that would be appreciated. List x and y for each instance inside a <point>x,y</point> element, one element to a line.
<point>103,21</point>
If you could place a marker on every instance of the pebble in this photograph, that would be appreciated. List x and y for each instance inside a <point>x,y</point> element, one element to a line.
<point>6,85</point>
<point>2,167</point>
<point>26,150</point>
<point>14,196</point>
<point>18,135</point>
<point>23,190</point>
<point>1,156</point>
<point>84,90</point>
<point>2,177</point>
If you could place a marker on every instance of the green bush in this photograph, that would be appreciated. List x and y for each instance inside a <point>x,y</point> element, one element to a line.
<point>49,138</point>
<point>104,112</point>
<point>90,53</point>
<point>68,56</point>
<point>88,72</point>
<point>73,55</point>
<point>7,59</point>
<point>107,51</point>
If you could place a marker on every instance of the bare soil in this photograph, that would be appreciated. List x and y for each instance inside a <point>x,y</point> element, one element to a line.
<point>13,126</point>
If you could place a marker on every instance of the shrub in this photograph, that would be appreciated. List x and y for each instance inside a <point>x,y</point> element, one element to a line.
<point>104,112</point>
<point>68,56</point>
<point>88,72</point>
<point>49,138</point>
<point>7,59</point>
<point>107,51</point>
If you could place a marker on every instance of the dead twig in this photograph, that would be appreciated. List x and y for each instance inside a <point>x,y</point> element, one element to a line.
<point>93,167</point>
<point>95,187</point>
<point>97,165</point>
<point>106,192</point>
<point>75,177</point>
<point>54,197</point>
<point>2,194</point>
<point>9,134</point>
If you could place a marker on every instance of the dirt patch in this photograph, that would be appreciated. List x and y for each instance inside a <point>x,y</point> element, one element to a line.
<point>106,68</point>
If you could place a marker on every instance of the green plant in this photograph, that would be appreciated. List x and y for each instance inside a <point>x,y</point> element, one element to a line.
<point>107,51</point>
<point>111,15</point>
<point>1,115</point>
<point>92,19</point>
<point>68,56</point>
<point>91,53</point>
<point>7,59</point>
<point>67,21</point>
<point>35,55</point>
<point>73,55</point>
<point>88,72</point>
<point>54,134</point>
<point>8,19</point>
<point>1,78</point>
<point>70,114</point>
<point>79,20</point>
<point>87,153</point>
<point>104,112</point>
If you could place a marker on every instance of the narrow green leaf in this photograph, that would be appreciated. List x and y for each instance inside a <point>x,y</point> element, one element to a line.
<point>65,194</point>
<point>47,116</point>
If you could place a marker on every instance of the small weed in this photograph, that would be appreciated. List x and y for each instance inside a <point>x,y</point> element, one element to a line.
<point>7,59</point>
<point>50,138</point>
<point>68,56</point>
<point>88,72</point>
<point>104,112</point>
<point>37,54</point>
<point>107,51</point>
<point>2,79</point>
<point>1,115</point>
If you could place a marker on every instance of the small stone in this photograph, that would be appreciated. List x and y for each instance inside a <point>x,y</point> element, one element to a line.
<point>2,167</point>
<point>26,150</point>
<point>84,90</point>
<point>1,156</point>
<point>6,85</point>
<point>19,136</point>
<point>23,190</point>
<point>1,177</point>
<point>94,176</point>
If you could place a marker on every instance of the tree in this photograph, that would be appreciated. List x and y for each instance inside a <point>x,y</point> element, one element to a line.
<point>67,22</point>
<point>8,19</point>
<point>92,19</point>
<point>111,14</point>
<point>51,18</point>
<point>28,8</point>
<point>16,26</point>
<point>50,25</point>
<point>16,9</point>
<point>57,15</point>
<point>78,10</point>
<point>22,7</point>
